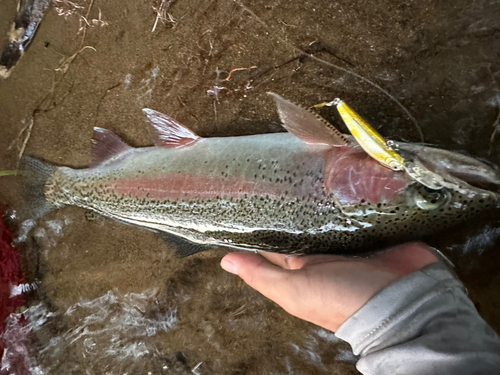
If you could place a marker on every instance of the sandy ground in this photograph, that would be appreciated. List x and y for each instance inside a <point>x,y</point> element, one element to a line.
<point>440,60</point>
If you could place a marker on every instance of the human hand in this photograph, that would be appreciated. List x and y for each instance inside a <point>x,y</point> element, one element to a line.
<point>326,289</point>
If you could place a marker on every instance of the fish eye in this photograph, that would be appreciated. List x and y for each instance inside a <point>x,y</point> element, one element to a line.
<point>428,199</point>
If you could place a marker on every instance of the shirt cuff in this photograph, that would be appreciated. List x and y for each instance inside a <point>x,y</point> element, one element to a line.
<point>397,300</point>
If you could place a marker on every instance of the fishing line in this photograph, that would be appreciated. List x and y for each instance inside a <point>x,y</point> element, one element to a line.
<point>345,70</point>
<point>8,173</point>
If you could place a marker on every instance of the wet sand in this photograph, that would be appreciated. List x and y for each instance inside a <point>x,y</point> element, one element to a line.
<point>440,60</point>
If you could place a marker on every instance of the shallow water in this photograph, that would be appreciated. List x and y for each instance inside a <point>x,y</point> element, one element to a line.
<point>438,59</point>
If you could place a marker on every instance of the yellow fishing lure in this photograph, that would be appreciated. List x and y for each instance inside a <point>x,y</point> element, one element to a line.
<point>381,150</point>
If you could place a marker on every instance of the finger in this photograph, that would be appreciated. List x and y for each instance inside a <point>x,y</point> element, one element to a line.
<point>309,260</point>
<point>282,260</point>
<point>408,258</point>
<point>296,262</point>
<point>270,280</point>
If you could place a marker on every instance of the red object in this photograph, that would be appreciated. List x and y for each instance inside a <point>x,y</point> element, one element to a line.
<point>10,274</point>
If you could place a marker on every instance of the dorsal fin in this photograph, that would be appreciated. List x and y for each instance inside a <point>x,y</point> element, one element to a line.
<point>167,132</point>
<point>106,145</point>
<point>306,125</point>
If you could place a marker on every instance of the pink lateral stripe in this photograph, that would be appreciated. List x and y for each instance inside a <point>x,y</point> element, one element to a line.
<point>188,186</point>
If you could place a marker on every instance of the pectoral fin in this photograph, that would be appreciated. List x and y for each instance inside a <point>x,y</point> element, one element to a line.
<point>307,125</point>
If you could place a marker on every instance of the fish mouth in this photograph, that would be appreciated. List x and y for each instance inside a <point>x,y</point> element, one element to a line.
<point>457,166</point>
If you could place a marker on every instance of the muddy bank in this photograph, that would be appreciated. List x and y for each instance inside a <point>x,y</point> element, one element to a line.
<point>438,60</point>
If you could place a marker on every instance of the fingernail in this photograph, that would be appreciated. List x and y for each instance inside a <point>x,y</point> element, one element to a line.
<point>229,266</point>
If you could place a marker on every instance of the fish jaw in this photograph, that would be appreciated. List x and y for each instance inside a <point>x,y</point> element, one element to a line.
<point>454,165</point>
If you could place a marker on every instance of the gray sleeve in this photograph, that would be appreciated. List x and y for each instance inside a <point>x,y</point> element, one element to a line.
<point>422,324</point>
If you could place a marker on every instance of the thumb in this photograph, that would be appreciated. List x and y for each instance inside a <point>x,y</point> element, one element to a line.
<point>265,277</point>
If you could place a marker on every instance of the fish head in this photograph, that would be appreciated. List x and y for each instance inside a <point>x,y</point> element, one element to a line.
<point>469,184</point>
<point>377,195</point>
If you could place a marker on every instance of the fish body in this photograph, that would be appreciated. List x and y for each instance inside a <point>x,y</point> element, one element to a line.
<point>282,192</point>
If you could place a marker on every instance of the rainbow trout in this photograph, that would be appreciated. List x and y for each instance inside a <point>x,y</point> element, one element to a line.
<point>307,191</point>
